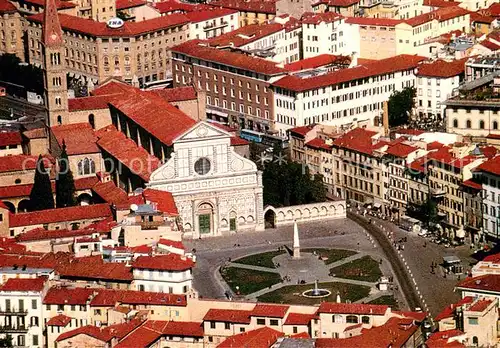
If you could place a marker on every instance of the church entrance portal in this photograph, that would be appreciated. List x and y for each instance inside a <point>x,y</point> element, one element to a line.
<point>205,220</point>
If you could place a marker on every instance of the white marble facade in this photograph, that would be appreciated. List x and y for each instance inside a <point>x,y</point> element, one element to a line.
<point>216,190</point>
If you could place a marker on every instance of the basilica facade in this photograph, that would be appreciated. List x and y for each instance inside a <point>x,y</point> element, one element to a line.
<point>217,191</point>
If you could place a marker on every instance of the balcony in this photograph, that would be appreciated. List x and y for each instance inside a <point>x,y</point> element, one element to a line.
<point>211,26</point>
<point>13,311</point>
<point>13,329</point>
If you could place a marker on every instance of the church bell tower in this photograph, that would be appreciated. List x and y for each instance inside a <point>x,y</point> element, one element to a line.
<point>56,89</point>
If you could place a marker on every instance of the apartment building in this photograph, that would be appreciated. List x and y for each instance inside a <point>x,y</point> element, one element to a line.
<point>327,33</point>
<point>344,7</point>
<point>436,82</point>
<point>488,174</point>
<point>343,97</point>
<point>138,51</point>
<point>251,11</point>
<point>210,22</point>
<point>377,36</point>
<point>415,31</point>
<point>278,41</point>
<point>11,30</point>
<point>237,86</point>
<point>21,310</point>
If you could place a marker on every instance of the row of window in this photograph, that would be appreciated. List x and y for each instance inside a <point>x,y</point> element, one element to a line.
<point>481,124</point>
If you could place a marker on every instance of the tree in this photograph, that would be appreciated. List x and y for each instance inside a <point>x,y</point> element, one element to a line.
<point>401,103</point>
<point>65,185</point>
<point>41,194</point>
<point>6,341</point>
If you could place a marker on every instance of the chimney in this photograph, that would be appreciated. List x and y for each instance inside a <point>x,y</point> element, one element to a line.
<point>385,118</point>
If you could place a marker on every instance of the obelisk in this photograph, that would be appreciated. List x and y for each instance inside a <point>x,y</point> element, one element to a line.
<point>296,243</point>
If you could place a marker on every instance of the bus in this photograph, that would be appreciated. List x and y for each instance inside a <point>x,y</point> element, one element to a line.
<point>251,135</point>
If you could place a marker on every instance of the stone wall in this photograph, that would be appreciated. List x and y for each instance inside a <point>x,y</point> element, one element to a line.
<point>306,212</point>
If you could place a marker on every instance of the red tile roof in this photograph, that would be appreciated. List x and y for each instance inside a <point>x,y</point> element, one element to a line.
<point>196,49</point>
<point>490,45</point>
<point>111,194</point>
<point>479,306</point>
<point>324,17</point>
<point>126,151</point>
<point>441,14</point>
<point>10,138</point>
<point>247,34</point>
<point>302,130</point>
<point>381,22</point>
<point>68,296</point>
<point>94,268</point>
<point>374,68</point>
<point>78,137</point>
<point>237,141</point>
<point>318,143</point>
<point>183,329</point>
<point>77,213</point>
<point>176,94</point>
<point>228,315</point>
<point>269,310</point>
<point>96,102</point>
<point>172,243</point>
<point>487,282</point>
<point>109,298</point>
<point>264,337</point>
<point>59,320</point>
<point>449,311</point>
<point>442,68</point>
<point>125,4</point>
<point>472,184</point>
<point>14,163</point>
<point>173,6</point>
<point>142,337</point>
<point>440,3</point>
<point>163,199</point>
<point>24,284</point>
<point>492,258</point>
<point>394,333</point>
<point>24,190</point>
<point>209,14</point>
<point>299,319</point>
<point>100,29</point>
<point>358,139</point>
<point>104,334</point>
<point>442,339</point>
<point>352,308</point>
<point>7,7</point>
<point>158,117</point>
<point>491,166</point>
<point>60,4</point>
<point>400,150</point>
<point>316,62</point>
<point>257,6</point>
<point>169,262</point>
<point>40,234</point>
<point>338,3</point>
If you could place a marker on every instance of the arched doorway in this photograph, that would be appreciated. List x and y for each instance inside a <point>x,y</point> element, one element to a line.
<point>10,206</point>
<point>205,214</point>
<point>270,218</point>
<point>24,206</point>
<point>84,199</point>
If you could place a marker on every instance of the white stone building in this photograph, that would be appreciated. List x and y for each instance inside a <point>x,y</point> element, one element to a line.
<point>435,84</point>
<point>21,311</point>
<point>215,190</point>
<point>343,97</point>
<point>208,23</point>
<point>490,173</point>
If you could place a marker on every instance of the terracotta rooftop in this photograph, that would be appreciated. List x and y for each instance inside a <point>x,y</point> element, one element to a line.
<point>23,190</point>
<point>270,310</point>
<point>491,166</point>
<point>379,22</point>
<point>480,305</point>
<point>358,139</point>
<point>245,35</point>
<point>111,194</point>
<point>441,14</point>
<point>316,62</point>
<point>169,262</point>
<point>7,7</point>
<point>14,163</point>
<point>257,6</point>
<point>264,337</point>
<point>318,143</point>
<point>78,137</point>
<point>325,17</point>
<point>10,138</point>
<point>104,334</point>
<point>171,243</point>
<point>126,151</point>
<point>151,112</point>
<point>196,49</point>
<point>302,130</point>
<point>442,68</point>
<point>83,212</point>
<point>209,14</point>
<point>109,298</point>
<point>59,320</point>
<point>176,94</point>
<point>487,282</point>
<point>174,6</point>
<point>449,311</point>
<point>228,315</point>
<point>125,4</point>
<point>68,296</point>
<point>163,199</point>
<point>40,234</point>
<point>375,68</point>
<point>445,339</point>
<point>24,284</point>
<point>299,319</point>
<point>96,102</point>
<point>400,150</point>
<point>440,3</point>
<point>100,29</point>
<point>352,308</point>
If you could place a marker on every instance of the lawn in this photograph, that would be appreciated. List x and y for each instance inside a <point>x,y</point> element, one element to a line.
<point>290,294</point>
<point>365,269</point>
<point>248,280</point>
<point>332,255</point>
<point>388,300</point>
<point>262,259</point>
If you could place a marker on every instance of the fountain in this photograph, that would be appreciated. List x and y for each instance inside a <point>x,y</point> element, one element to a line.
<point>316,293</point>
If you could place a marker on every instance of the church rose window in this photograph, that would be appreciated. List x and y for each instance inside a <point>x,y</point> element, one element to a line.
<point>202,166</point>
